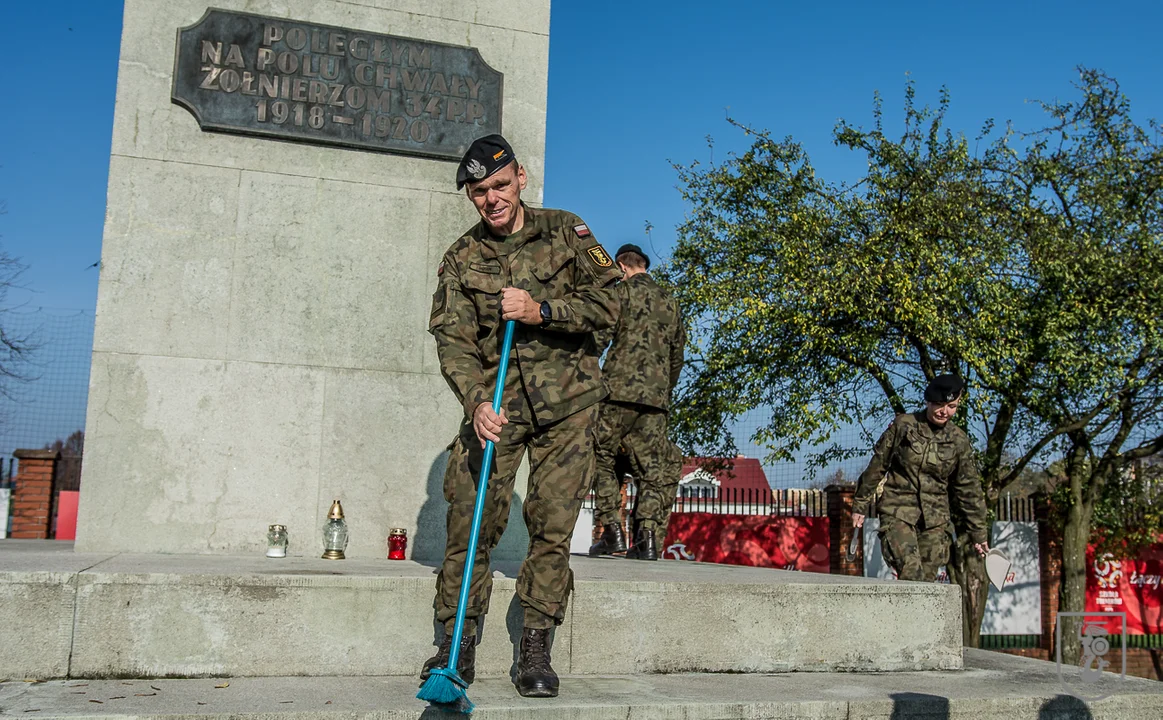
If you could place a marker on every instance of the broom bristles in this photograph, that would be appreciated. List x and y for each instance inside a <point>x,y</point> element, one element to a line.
<point>444,687</point>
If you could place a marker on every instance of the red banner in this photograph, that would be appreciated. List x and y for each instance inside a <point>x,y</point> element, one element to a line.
<point>787,543</point>
<point>1128,586</point>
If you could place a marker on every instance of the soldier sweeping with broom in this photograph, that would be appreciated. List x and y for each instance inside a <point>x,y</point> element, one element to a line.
<point>544,275</point>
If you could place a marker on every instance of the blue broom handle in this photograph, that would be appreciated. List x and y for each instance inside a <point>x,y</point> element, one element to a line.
<point>478,510</point>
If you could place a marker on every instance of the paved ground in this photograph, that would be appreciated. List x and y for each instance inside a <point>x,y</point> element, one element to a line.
<point>993,686</point>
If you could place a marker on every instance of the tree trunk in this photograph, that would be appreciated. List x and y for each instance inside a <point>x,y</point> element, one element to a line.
<point>967,569</point>
<point>1072,596</point>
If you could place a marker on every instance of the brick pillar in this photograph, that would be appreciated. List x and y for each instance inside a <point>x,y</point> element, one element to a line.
<point>1050,563</point>
<point>840,531</point>
<point>32,495</point>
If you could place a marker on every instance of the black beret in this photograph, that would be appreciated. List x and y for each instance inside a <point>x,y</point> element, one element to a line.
<point>631,248</point>
<point>483,158</point>
<point>944,388</point>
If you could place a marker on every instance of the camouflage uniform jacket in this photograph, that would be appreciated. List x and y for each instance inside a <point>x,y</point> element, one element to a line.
<point>645,361</point>
<point>923,467</point>
<point>555,258</point>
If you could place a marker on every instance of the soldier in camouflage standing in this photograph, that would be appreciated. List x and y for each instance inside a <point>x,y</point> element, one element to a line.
<point>921,463</point>
<point>642,369</point>
<point>544,269</point>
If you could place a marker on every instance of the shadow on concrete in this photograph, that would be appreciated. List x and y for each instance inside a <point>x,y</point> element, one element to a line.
<point>919,706</point>
<point>1064,707</point>
<point>433,713</point>
<point>431,526</point>
<point>514,623</point>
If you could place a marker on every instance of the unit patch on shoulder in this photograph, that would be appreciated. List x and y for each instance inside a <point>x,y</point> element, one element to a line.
<point>440,268</point>
<point>582,230</point>
<point>598,254</point>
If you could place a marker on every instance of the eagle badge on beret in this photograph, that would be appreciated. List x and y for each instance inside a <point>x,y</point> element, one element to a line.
<point>484,157</point>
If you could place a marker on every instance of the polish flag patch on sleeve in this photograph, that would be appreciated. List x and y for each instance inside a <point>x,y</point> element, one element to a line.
<point>582,230</point>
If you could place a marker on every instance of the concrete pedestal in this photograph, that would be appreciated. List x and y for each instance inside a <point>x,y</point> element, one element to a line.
<point>93,616</point>
<point>261,344</point>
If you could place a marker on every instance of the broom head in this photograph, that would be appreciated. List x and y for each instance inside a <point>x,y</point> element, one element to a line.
<point>445,689</point>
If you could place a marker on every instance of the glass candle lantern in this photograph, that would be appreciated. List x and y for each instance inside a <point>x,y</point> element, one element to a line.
<point>397,543</point>
<point>334,533</point>
<point>277,541</point>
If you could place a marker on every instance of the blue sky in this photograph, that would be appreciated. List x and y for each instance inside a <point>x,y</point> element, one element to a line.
<point>54,148</point>
<point>632,87</point>
<point>642,83</point>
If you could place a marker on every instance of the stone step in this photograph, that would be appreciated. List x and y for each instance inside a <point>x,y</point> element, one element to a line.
<point>990,687</point>
<point>92,616</point>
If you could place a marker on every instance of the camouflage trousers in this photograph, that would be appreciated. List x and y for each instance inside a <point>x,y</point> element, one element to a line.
<point>561,468</point>
<point>642,430</point>
<point>915,552</point>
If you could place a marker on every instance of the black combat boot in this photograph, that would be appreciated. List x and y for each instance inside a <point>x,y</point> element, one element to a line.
<point>535,677</point>
<point>644,547</point>
<point>613,540</point>
<point>465,664</point>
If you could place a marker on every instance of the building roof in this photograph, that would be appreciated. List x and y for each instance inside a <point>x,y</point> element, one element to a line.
<point>744,474</point>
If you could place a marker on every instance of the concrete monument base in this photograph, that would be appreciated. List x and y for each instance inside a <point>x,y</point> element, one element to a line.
<point>85,615</point>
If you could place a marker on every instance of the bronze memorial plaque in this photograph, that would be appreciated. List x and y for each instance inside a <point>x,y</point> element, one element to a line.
<point>256,75</point>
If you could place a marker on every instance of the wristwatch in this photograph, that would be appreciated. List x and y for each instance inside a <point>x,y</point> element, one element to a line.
<point>546,312</point>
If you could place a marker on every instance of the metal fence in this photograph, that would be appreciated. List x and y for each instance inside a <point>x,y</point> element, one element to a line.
<point>47,399</point>
<point>1018,509</point>
<point>1013,642</point>
<point>1010,642</point>
<point>751,436</point>
<point>740,501</point>
<point>796,503</point>
<point>68,473</point>
<point>7,472</point>
<point>7,483</point>
<point>753,501</point>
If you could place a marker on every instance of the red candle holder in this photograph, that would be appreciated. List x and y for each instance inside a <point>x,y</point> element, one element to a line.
<point>397,543</point>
